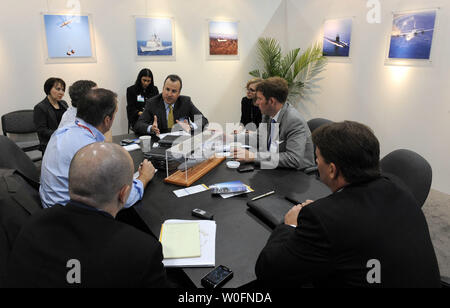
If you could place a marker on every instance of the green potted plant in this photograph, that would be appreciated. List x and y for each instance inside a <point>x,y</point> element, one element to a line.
<point>298,69</point>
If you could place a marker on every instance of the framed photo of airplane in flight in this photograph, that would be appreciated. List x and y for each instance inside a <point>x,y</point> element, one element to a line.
<point>155,38</point>
<point>69,38</point>
<point>223,40</point>
<point>337,35</point>
<point>412,35</point>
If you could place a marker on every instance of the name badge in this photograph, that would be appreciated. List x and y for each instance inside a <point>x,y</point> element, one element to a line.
<point>140,99</point>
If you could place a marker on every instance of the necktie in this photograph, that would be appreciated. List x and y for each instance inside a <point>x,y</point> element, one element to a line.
<point>170,121</point>
<point>269,141</point>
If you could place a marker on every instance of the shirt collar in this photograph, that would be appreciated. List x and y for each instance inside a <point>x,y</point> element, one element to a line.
<point>167,105</point>
<point>277,115</point>
<point>90,208</point>
<point>99,137</point>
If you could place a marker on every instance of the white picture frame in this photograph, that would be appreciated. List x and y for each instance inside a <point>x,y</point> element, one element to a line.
<point>68,37</point>
<point>222,39</point>
<point>154,38</point>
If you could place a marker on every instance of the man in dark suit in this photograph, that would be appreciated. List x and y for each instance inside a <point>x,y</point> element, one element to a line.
<point>170,110</point>
<point>81,244</point>
<point>368,233</point>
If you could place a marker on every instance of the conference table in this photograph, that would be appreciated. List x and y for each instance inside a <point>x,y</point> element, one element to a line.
<point>240,235</point>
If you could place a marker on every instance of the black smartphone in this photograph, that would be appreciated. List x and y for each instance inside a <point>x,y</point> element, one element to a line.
<point>245,168</point>
<point>126,142</point>
<point>217,277</point>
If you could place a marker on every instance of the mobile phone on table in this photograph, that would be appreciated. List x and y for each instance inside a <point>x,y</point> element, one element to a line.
<point>217,277</point>
<point>245,168</point>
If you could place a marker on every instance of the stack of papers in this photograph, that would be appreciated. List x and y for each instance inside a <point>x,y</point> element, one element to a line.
<point>207,242</point>
<point>180,240</point>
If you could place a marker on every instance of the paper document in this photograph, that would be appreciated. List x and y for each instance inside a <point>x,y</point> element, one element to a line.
<point>132,147</point>
<point>180,240</point>
<point>207,246</point>
<point>231,184</point>
<point>190,190</point>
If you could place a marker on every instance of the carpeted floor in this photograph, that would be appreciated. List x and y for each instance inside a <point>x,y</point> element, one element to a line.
<point>437,213</point>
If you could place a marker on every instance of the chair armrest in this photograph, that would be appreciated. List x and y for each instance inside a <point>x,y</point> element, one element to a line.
<point>445,282</point>
<point>311,170</point>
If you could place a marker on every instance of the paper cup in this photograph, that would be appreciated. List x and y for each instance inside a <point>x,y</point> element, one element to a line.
<point>145,142</point>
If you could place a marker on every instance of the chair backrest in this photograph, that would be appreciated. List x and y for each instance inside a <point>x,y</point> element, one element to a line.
<point>12,157</point>
<point>18,122</point>
<point>317,122</point>
<point>412,169</point>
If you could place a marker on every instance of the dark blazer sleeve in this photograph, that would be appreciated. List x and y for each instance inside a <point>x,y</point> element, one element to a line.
<point>154,92</point>
<point>132,111</point>
<point>155,274</point>
<point>146,118</point>
<point>243,113</point>
<point>295,256</point>
<point>193,111</point>
<point>4,253</point>
<point>41,122</point>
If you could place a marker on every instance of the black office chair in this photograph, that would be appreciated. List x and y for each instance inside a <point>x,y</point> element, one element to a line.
<point>19,126</point>
<point>313,124</point>
<point>13,157</point>
<point>412,169</point>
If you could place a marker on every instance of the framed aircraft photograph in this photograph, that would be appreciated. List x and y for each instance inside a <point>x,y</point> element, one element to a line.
<point>68,38</point>
<point>155,38</point>
<point>412,34</point>
<point>223,39</point>
<point>337,35</point>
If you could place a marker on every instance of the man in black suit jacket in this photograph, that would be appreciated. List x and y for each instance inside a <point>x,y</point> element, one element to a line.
<point>169,109</point>
<point>368,233</point>
<point>81,244</point>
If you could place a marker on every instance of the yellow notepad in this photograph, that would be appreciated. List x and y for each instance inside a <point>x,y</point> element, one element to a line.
<point>180,240</point>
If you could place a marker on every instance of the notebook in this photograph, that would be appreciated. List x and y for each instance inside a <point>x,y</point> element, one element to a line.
<point>271,209</point>
<point>180,240</point>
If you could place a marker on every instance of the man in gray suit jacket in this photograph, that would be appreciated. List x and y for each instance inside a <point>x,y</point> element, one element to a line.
<point>283,135</point>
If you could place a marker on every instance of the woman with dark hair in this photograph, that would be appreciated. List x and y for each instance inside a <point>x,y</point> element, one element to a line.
<point>48,113</point>
<point>137,94</point>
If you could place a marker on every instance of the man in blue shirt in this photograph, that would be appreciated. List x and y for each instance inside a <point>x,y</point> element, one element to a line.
<point>95,116</point>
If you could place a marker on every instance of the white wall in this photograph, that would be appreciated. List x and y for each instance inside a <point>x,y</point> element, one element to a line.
<point>216,87</point>
<point>407,107</point>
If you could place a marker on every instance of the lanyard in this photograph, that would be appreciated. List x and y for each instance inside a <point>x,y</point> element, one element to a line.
<point>85,127</point>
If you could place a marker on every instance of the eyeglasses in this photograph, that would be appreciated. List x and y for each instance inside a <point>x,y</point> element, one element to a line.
<point>251,90</point>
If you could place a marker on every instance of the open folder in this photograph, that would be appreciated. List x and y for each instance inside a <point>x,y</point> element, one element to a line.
<point>207,258</point>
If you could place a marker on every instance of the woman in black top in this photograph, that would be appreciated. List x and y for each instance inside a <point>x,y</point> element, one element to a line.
<point>137,94</point>
<point>250,112</point>
<point>48,113</point>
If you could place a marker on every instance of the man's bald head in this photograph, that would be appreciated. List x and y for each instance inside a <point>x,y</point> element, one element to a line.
<point>98,172</point>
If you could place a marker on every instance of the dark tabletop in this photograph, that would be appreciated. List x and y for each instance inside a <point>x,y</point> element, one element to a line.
<point>240,235</point>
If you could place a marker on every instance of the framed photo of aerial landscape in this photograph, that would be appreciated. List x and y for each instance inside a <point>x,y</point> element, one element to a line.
<point>223,40</point>
<point>411,37</point>
<point>68,38</point>
<point>155,38</point>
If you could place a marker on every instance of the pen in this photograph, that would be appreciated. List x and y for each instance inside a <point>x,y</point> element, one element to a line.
<point>265,195</point>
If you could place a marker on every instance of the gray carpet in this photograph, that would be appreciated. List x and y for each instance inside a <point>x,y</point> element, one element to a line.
<point>437,213</point>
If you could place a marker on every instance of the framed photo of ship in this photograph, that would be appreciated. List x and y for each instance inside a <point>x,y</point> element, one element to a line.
<point>223,40</point>
<point>68,38</point>
<point>155,38</point>
<point>411,37</point>
<point>337,37</point>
